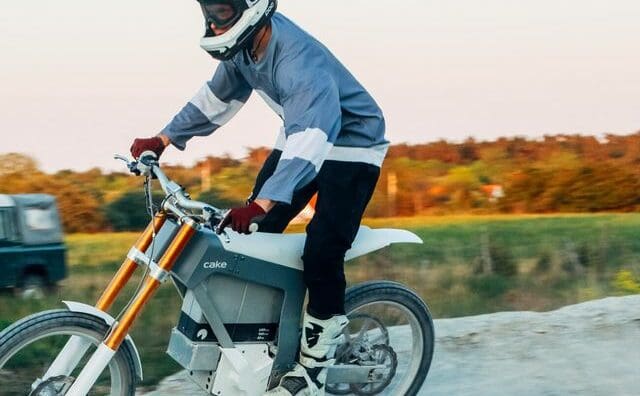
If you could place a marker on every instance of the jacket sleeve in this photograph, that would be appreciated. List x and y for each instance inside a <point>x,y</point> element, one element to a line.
<point>312,119</point>
<point>211,107</point>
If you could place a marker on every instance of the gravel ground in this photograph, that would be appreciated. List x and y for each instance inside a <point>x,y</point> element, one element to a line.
<point>590,349</point>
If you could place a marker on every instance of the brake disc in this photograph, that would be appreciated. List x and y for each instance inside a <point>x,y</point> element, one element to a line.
<point>54,386</point>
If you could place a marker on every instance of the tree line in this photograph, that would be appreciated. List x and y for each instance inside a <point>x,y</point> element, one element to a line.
<point>560,173</point>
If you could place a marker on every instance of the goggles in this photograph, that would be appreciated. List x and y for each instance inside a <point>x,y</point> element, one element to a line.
<point>221,14</point>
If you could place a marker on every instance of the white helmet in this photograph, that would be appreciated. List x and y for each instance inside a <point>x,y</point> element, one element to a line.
<point>245,17</point>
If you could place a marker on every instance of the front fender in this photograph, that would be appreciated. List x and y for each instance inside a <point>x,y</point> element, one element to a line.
<point>108,319</point>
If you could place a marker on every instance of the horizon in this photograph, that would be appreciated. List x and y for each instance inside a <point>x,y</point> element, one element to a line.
<point>489,70</point>
<point>601,138</point>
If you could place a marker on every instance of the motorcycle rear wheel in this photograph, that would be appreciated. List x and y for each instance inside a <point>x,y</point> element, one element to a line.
<point>386,317</point>
<point>29,346</point>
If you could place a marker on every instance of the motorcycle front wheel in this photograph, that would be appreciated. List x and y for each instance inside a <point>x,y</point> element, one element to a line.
<point>390,326</point>
<point>29,346</point>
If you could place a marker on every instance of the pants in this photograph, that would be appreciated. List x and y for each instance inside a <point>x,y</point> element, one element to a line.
<point>344,190</point>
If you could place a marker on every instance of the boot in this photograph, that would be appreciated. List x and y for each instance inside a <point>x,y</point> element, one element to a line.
<point>320,338</point>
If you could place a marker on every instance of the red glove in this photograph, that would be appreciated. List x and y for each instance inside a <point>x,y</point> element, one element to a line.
<point>141,145</point>
<point>241,218</point>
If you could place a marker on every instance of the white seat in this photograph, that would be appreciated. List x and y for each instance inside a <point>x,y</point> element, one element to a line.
<point>286,249</point>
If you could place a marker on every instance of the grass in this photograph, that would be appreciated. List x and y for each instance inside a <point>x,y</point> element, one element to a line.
<point>559,260</point>
<point>90,250</point>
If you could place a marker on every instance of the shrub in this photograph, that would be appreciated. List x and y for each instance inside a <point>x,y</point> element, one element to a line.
<point>585,255</point>
<point>215,198</point>
<point>129,212</point>
<point>544,262</point>
<point>488,286</point>
<point>503,261</point>
<point>625,282</point>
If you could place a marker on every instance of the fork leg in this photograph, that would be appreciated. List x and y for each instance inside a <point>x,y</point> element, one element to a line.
<point>129,266</point>
<point>67,359</point>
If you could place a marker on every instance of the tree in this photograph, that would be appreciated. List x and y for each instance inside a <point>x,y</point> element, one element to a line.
<point>17,163</point>
<point>215,198</point>
<point>461,181</point>
<point>129,212</point>
<point>234,183</point>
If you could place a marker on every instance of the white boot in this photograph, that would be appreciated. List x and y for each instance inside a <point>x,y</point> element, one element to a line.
<point>320,338</point>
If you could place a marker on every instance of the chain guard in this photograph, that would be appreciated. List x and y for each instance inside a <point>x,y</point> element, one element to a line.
<point>358,350</point>
<point>384,355</point>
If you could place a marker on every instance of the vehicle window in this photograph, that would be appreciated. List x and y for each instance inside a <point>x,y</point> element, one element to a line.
<point>39,219</point>
<point>3,225</point>
<point>7,226</point>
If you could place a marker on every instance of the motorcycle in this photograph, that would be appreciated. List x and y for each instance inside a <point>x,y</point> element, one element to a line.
<point>240,321</point>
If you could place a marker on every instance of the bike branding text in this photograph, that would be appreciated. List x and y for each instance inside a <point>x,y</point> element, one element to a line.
<point>215,264</point>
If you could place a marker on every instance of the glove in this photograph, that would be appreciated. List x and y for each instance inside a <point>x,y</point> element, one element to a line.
<point>241,218</point>
<point>141,145</point>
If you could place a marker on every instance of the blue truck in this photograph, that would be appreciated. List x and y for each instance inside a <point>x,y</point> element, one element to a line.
<point>32,250</point>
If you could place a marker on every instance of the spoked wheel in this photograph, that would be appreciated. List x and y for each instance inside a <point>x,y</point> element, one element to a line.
<point>389,327</point>
<point>29,347</point>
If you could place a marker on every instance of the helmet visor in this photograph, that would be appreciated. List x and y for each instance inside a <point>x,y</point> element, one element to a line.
<point>221,14</point>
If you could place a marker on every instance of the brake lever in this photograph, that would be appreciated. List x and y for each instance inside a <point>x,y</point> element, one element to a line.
<point>131,165</point>
<point>121,158</point>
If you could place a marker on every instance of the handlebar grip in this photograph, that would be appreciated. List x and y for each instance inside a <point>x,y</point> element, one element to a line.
<point>253,227</point>
<point>148,155</point>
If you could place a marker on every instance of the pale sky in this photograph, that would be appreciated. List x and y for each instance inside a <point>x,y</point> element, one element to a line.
<point>80,79</point>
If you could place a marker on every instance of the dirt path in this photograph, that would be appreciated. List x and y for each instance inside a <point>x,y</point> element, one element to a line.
<point>589,349</point>
<point>586,349</point>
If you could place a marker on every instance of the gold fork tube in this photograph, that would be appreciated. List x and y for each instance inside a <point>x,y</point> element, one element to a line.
<point>120,330</point>
<point>129,266</point>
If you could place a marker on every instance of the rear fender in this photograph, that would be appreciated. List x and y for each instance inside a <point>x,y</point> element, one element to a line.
<point>369,240</point>
<point>88,309</point>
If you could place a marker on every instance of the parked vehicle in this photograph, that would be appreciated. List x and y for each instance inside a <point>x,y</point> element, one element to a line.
<point>32,252</point>
<point>239,326</point>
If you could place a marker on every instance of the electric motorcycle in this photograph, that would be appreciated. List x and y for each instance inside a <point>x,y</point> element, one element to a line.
<point>240,322</point>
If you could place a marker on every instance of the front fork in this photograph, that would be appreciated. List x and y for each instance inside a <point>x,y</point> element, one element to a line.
<point>76,347</point>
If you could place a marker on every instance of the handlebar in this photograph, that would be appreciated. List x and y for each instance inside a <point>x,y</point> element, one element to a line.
<point>176,200</point>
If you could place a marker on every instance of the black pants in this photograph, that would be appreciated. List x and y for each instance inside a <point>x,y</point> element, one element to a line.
<point>344,190</point>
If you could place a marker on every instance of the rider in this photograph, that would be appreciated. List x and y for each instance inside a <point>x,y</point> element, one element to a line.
<point>332,143</point>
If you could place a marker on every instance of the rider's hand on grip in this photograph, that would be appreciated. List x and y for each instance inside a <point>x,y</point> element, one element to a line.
<point>153,144</point>
<point>241,219</point>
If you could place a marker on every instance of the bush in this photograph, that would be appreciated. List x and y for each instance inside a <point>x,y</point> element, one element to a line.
<point>503,261</point>
<point>625,282</point>
<point>544,262</point>
<point>488,286</point>
<point>129,212</point>
<point>585,255</point>
<point>214,198</point>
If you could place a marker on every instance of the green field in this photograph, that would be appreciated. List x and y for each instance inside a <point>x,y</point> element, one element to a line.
<point>467,265</point>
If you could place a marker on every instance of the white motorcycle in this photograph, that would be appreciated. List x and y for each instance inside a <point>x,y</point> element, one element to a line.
<point>240,323</point>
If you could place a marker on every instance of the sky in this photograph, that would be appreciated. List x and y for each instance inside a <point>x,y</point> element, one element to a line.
<point>79,80</point>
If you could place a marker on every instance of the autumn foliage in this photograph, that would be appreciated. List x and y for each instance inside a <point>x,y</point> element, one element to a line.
<point>563,173</point>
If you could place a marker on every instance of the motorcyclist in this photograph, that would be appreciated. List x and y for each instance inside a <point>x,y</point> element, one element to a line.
<point>332,143</point>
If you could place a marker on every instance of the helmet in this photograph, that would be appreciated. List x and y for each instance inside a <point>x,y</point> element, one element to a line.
<point>245,17</point>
